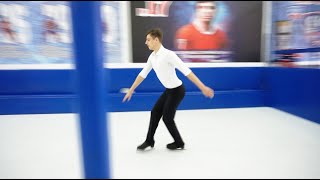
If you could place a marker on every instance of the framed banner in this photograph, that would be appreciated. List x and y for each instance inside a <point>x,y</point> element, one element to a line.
<point>204,31</point>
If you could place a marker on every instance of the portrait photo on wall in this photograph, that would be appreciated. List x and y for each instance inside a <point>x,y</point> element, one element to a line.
<point>200,31</point>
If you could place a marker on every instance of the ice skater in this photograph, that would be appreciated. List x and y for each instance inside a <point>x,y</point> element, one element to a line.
<point>164,62</point>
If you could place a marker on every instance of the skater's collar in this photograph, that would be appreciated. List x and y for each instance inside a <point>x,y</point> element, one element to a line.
<point>160,51</point>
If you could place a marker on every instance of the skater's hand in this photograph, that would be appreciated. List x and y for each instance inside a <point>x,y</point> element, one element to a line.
<point>208,92</point>
<point>127,96</point>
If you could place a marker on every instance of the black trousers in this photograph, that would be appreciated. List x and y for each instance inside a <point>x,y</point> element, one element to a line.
<point>166,107</point>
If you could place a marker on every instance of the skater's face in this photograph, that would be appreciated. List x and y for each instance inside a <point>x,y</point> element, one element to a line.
<point>151,42</point>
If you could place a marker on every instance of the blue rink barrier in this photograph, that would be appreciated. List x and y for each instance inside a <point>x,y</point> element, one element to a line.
<point>53,91</point>
<point>294,90</point>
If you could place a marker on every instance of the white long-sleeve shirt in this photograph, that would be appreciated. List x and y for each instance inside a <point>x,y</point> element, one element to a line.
<point>164,63</point>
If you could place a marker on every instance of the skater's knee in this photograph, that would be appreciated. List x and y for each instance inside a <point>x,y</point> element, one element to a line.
<point>155,112</point>
<point>167,118</point>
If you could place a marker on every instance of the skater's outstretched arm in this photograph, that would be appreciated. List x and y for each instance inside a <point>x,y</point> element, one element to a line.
<point>135,84</point>
<point>206,91</point>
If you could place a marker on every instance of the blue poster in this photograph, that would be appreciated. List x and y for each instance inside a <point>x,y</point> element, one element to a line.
<point>40,32</point>
<point>111,12</point>
<point>296,32</point>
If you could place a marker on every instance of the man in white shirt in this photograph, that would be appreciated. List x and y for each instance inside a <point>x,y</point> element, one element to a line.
<point>164,62</point>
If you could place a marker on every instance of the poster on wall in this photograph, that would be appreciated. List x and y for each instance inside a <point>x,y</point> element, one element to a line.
<point>200,31</point>
<point>40,32</point>
<point>296,31</point>
<point>113,37</point>
<point>35,32</point>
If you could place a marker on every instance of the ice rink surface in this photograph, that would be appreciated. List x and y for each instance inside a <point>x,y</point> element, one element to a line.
<point>259,142</point>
